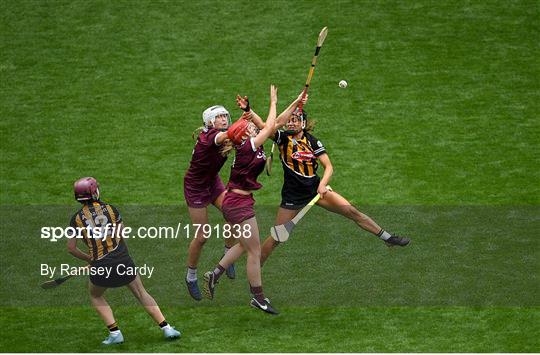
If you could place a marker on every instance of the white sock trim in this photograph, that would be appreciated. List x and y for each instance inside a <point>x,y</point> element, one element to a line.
<point>385,235</point>
<point>191,274</point>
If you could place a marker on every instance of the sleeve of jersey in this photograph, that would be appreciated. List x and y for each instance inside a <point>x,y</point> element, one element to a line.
<point>212,135</point>
<point>318,147</point>
<point>117,213</point>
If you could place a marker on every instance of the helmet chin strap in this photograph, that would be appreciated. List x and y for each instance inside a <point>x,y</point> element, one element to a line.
<point>293,131</point>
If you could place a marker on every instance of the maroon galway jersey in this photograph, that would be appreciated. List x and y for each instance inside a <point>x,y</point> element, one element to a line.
<point>247,166</point>
<point>206,160</point>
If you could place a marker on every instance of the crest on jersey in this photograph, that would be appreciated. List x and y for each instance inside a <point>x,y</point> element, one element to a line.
<point>302,156</point>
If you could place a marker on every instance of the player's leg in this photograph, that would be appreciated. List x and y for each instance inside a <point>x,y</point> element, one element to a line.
<point>198,216</point>
<point>229,242</point>
<point>211,278</point>
<point>150,305</point>
<point>252,245</point>
<point>283,215</point>
<point>336,203</point>
<point>248,242</point>
<point>105,312</point>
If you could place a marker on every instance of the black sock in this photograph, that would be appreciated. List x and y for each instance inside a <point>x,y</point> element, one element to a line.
<point>257,292</point>
<point>163,324</point>
<point>218,271</point>
<point>113,327</point>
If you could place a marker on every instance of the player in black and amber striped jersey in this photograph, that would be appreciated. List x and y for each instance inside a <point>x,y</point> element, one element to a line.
<point>99,214</point>
<point>108,252</point>
<point>300,154</point>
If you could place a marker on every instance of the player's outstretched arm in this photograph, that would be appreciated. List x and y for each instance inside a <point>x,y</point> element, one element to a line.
<point>268,129</point>
<point>222,136</point>
<point>324,159</point>
<point>243,103</point>
<point>283,117</point>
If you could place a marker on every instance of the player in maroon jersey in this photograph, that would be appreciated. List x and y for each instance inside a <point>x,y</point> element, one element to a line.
<point>238,202</point>
<point>203,186</point>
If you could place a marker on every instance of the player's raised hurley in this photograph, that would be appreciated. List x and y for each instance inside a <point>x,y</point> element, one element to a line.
<point>268,165</point>
<point>281,232</point>
<point>320,41</point>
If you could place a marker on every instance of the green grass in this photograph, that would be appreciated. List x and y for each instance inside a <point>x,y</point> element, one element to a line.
<point>314,329</point>
<point>437,136</point>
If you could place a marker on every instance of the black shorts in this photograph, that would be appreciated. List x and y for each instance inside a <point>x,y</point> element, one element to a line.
<point>295,197</point>
<point>115,262</point>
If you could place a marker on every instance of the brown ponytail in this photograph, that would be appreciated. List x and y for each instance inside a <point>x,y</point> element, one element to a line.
<point>310,125</point>
<point>226,147</point>
<point>196,132</point>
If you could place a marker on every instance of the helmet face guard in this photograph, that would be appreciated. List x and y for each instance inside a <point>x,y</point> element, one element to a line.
<point>209,115</point>
<point>85,189</point>
<point>303,118</point>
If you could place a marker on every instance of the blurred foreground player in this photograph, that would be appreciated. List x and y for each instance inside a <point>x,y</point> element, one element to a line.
<point>109,252</point>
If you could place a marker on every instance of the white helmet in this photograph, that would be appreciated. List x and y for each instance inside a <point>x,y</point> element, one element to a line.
<point>209,115</point>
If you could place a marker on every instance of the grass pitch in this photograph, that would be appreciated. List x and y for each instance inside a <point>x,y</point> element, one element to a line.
<point>437,136</point>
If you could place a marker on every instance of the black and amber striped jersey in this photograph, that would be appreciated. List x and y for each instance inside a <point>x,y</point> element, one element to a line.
<point>98,214</point>
<point>299,157</point>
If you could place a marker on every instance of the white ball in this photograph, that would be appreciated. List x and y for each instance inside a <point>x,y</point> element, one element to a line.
<point>343,84</point>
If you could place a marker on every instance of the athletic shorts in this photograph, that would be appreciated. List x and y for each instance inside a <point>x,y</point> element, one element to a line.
<point>296,197</point>
<point>237,207</point>
<point>197,197</point>
<point>118,265</point>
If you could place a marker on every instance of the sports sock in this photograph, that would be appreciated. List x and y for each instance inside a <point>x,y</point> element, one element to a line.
<point>164,324</point>
<point>384,235</point>
<point>113,327</point>
<point>257,292</point>
<point>218,271</point>
<point>191,274</point>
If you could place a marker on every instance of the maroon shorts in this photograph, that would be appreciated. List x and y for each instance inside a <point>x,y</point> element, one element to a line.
<point>237,208</point>
<point>200,197</point>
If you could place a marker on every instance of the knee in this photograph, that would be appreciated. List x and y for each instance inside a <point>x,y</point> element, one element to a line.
<point>254,253</point>
<point>199,240</point>
<point>359,217</point>
<point>142,295</point>
<point>352,213</point>
<point>139,292</point>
